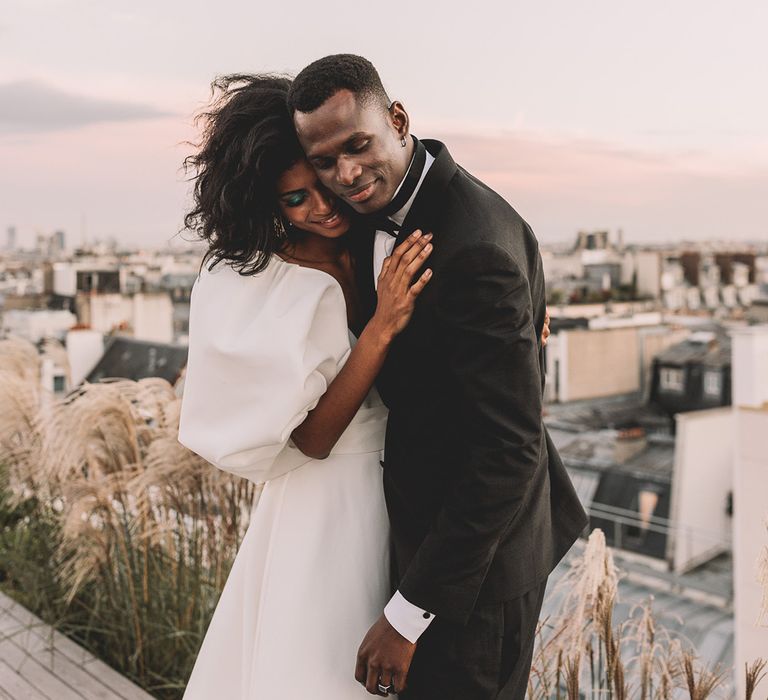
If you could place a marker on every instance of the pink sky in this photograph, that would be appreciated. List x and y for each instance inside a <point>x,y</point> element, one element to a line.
<point>651,118</point>
<point>127,181</point>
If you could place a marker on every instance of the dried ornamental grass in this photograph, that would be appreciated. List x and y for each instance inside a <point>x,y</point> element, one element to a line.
<point>582,653</point>
<point>581,633</point>
<point>127,482</point>
<point>572,674</point>
<point>20,420</point>
<point>145,530</point>
<point>20,357</point>
<point>762,577</point>
<point>755,672</point>
<point>591,585</point>
<point>700,684</point>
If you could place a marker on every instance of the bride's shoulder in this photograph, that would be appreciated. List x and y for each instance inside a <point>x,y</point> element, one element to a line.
<point>279,277</point>
<point>281,291</point>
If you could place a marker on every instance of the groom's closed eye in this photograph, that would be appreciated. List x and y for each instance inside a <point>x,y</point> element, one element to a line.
<point>353,148</point>
<point>358,148</point>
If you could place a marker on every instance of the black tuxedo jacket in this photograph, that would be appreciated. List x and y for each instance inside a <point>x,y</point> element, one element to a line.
<point>479,502</point>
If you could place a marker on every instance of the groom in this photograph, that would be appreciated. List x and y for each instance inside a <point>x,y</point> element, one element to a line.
<point>481,507</point>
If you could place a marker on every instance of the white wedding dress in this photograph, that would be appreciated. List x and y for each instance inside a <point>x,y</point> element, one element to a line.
<point>311,575</point>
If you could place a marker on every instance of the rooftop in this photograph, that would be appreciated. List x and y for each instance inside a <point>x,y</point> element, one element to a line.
<point>709,348</point>
<point>129,358</point>
<point>36,662</point>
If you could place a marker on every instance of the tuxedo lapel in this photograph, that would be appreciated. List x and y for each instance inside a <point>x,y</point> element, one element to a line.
<point>424,207</point>
<point>362,254</point>
<point>421,215</point>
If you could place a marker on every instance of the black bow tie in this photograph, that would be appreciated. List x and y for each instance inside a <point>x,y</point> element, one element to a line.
<point>381,219</point>
<point>384,223</point>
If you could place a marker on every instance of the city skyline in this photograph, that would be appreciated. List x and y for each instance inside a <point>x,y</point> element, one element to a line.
<point>647,120</point>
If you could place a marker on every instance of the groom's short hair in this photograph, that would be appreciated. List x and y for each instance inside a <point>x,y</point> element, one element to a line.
<point>323,78</point>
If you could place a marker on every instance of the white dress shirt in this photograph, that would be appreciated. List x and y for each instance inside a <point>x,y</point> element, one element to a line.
<point>408,619</point>
<point>384,243</point>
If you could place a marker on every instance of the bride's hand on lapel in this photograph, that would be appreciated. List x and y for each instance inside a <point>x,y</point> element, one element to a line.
<point>396,289</point>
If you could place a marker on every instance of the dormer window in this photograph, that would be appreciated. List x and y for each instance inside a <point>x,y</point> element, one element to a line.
<point>713,383</point>
<point>672,379</point>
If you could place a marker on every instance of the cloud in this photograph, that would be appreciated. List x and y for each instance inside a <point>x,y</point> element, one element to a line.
<point>562,184</point>
<point>35,106</point>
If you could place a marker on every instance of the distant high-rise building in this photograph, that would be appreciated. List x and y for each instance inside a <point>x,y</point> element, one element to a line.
<point>10,242</point>
<point>58,242</point>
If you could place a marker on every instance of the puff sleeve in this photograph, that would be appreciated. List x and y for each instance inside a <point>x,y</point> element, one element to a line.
<point>262,351</point>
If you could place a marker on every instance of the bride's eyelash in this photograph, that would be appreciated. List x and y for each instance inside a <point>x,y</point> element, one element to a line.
<point>295,200</point>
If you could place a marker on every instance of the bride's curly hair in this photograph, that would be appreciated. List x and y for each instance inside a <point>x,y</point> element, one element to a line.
<point>248,141</point>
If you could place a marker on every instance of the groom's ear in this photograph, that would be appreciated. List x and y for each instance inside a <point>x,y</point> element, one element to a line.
<point>399,117</point>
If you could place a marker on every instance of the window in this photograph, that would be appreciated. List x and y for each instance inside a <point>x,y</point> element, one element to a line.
<point>672,379</point>
<point>713,383</point>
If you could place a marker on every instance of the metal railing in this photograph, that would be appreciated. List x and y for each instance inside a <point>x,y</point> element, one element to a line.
<point>676,531</point>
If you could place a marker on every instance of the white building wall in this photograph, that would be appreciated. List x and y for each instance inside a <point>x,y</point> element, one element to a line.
<point>49,372</point>
<point>64,279</point>
<point>153,317</point>
<point>648,318</point>
<point>750,366</point>
<point>558,266</point>
<point>595,363</point>
<point>648,266</point>
<point>595,311</point>
<point>750,506</point>
<point>627,267</point>
<point>36,324</point>
<point>553,353</point>
<point>84,349</point>
<point>109,311</point>
<point>702,478</point>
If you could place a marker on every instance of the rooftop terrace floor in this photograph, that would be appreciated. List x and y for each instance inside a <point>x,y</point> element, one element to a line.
<point>36,663</point>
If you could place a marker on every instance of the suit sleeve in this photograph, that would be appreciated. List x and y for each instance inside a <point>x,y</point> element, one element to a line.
<point>491,358</point>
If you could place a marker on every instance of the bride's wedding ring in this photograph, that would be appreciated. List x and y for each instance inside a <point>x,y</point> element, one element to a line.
<point>385,688</point>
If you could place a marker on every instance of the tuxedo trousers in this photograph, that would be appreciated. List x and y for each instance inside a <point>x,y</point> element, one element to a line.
<point>489,658</point>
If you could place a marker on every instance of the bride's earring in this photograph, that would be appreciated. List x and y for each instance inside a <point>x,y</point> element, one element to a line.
<point>279,226</point>
<point>402,141</point>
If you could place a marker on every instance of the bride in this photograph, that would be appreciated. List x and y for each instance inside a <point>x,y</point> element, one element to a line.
<point>278,391</point>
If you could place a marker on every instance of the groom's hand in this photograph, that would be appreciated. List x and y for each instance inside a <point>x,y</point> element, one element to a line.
<point>384,657</point>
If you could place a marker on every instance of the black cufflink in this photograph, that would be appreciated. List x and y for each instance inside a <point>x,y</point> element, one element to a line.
<point>427,615</point>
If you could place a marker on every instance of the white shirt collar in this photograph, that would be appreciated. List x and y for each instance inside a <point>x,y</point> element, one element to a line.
<point>399,216</point>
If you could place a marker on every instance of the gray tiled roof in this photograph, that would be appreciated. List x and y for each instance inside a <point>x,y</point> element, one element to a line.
<point>714,354</point>
<point>129,358</point>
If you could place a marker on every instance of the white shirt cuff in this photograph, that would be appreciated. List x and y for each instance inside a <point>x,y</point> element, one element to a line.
<point>409,620</point>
